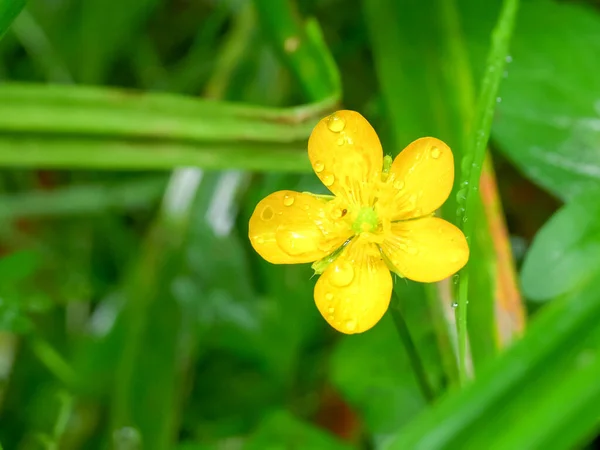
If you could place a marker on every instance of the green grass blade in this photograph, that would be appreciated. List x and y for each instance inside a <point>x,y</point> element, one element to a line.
<point>556,363</point>
<point>9,9</point>
<point>474,157</point>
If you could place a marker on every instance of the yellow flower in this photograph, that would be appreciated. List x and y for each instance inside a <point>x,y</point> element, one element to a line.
<point>380,219</point>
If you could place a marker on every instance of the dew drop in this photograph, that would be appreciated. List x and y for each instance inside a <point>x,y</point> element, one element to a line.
<point>288,200</point>
<point>328,179</point>
<point>331,317</point>
<point>340,141</point>
<point>498,99</point>
<point>508,58</point>
<point>465,164</point>
<point>319,166</point>
<point>267,213</point>
<point>329,297</point>
<point>435,152</point>
<point>456,278</point>
<point>336,213</point>
<point>399,184</point>
<point>331,310</point>
<point>351,325</point>
<point>342,275</point>
<point>259,240</point>
<point>336,123</point>
<point>461,196</point>
<point>460,211</point>
<point>454,305</point>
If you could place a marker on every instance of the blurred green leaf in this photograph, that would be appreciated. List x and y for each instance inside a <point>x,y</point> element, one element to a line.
<point>9,9</point>
<point>81,200</point>
<point>514,401</point>
<point>18,296</point>
<point>301,47</point>
<point>380,384</point>
<point>280,430</point>
<point>548,122</point>
<point>49,126</point>
<point>565,253</point>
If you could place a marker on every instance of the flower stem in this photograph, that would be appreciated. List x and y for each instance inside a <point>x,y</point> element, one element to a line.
<point>473,161</point>
<point>411,350</point>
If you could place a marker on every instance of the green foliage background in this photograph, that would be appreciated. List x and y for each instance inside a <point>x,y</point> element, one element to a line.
<point>137,136</point>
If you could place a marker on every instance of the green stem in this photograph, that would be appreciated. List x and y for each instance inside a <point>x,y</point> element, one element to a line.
<point>53,360</point>
<point>411,349</point>
<point>473,162</point>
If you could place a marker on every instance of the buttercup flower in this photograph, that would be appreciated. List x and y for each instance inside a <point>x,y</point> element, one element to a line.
<point>379,219</point>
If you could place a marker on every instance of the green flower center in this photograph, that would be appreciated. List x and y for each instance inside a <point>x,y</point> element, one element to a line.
<point>366,220</point>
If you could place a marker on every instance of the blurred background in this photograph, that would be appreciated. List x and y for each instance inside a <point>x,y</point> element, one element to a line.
<point>137,136</point>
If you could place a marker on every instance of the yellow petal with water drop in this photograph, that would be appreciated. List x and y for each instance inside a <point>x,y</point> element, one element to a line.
<point>420,180</point>
<point>290,227</point>
<point>355,290</point>
<point>346,155</point>
<point>426,250</point>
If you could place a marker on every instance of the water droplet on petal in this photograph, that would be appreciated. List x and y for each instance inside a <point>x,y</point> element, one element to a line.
<point>342,274</point>
<point>296,243</point>
<point>336,123</point>
<point>435,152</point>
<point>340,141</point>
<point>399,184</point>
<point>288,200</point>
<point>267,213</point>
<point>329,297</point>
<point>403,246</point>
<point>259,240</point>
<point>336,213</point>
<point>328,179</point>
<point>331,310</point>
<point>351,325</point>
<point>413,250</point>
<point>319,166</point>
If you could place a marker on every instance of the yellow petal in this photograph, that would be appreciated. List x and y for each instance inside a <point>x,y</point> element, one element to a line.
<point>426,250</point>
<point>346,155</point>
<point>420,180</point>
<point>290,227</point>
<point>355,290</point>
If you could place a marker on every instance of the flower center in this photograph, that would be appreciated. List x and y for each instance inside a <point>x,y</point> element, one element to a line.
<point>366,221</point>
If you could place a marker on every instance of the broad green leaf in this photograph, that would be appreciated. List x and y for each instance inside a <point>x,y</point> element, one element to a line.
<point>548,121</point>
<point>542,393</point>
<point>566,251</point>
